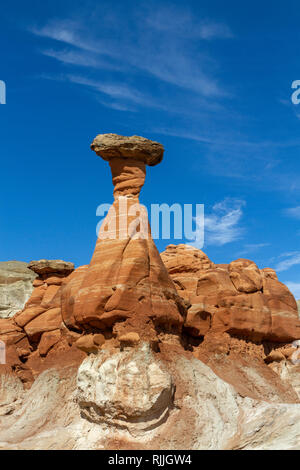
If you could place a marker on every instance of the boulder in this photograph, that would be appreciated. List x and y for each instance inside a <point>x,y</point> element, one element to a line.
<point>109,146</point>
<point>131,389</point>
<point>47,267</point>
<point>90,343</point>
<point>130,338</point>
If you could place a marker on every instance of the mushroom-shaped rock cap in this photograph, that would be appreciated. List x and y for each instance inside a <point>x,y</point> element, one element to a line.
<point>110,146</point>
<point>45,266</point>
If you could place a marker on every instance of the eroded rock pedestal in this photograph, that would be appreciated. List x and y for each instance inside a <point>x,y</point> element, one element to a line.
<point>126,287</point>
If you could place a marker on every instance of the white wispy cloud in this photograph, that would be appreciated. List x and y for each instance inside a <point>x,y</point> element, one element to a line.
<point>79,58</point>
<point>253,247</point>
<point>182,22</point>
<point>67,31</point>
<point>161,52</point>
<point>160,57</point>
<point>116,105</point>
<point>291,259</point>
<point>111,89</point>
<point>293,212</point>
<point>230,155</point>
<point>222,224</point>
<point>116,91</point>
<point>210,30</point>
<point>232,141</point>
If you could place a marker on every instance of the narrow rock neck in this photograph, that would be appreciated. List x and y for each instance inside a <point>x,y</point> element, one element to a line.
<point>128,176</point>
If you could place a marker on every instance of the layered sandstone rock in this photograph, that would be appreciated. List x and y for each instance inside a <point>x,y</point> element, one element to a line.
<point>238,298</point>
<point>37,329</point>
<point>15,287</point>
<point>126,287</point>
<point>42,312</point>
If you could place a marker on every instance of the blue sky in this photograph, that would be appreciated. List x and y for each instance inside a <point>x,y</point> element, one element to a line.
<point>211,80</point>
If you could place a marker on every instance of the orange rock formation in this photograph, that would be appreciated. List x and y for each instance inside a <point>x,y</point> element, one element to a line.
<point>126,286</point>
<point>237,298</point>
<point>129,293</point>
